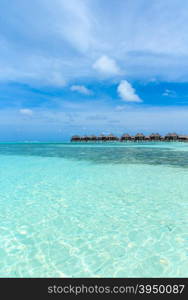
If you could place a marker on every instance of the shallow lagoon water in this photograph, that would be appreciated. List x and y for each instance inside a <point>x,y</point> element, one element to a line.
<point>94,210</point>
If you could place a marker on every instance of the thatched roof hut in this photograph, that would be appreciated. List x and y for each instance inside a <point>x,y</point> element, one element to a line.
<point>84,138</point>
<point>75,138</point>
<point>101,137</point>
<point>139,137</point>
<point>92,138</point>
<point>171,137</point>
<point>125,137</point>
<point>183,138</point>
<point>155,137</point>
<point>147,138</point>
<point>112,137</point>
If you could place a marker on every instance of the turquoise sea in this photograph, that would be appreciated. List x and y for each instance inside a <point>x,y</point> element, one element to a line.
<point>94,210</point>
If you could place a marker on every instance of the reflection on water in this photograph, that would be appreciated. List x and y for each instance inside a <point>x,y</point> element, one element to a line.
<point>152,154</point>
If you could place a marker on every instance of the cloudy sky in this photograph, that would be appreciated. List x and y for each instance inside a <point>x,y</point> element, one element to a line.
<point>92,66</point>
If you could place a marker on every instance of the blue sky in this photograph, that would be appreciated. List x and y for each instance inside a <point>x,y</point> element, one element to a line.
<point>92,66</point>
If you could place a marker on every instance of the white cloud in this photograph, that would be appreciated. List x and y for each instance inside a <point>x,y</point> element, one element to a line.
<point>106,65</point>
<point>75,36</point>
<point>169,93</point>
<point>81,89</point>
<point>127,92</point>
<point>26,111</point>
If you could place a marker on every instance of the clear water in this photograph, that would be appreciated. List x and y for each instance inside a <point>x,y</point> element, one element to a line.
<point>88,210</point>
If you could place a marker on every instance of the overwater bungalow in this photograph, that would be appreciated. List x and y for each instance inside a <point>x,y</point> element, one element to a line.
<point>92,138</point>
<point>139,137</point>
<point>101,138</point>
<point>183,138</point>
<point>111,137</point>
<point>125,137</point>
<point>75,138</point>
<point>155,137</point>
<point>171,137</point>
<point>84,138</point>
<point>147,138</point>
